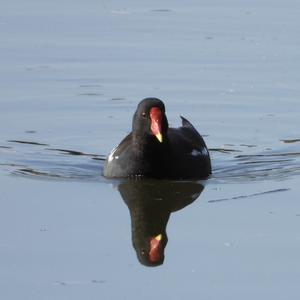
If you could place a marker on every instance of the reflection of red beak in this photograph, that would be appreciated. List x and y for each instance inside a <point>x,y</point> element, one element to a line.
<point>156,117</point>
<point>155,249</point>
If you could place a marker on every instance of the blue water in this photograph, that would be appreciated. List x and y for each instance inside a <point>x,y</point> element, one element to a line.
<point>71,75</point>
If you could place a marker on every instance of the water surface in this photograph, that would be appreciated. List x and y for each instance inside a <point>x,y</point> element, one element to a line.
<point>71,76</point>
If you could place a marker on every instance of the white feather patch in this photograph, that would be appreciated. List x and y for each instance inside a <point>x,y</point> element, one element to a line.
<point>196,152</point>
<point>111,155</point>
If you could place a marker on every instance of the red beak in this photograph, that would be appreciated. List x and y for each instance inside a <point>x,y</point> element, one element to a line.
<point>155,249</point>
<point>156,118</point>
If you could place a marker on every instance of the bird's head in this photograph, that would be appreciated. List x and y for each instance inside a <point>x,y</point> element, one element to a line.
<point>150,120</point>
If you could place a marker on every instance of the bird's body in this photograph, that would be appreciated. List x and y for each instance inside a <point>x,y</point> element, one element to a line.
<point>153,150</point>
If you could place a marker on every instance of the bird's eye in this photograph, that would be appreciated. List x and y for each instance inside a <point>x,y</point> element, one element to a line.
<point>144,114</point>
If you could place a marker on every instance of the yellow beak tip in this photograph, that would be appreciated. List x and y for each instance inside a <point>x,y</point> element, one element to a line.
<point>158,237</point>
<point>159,137</point>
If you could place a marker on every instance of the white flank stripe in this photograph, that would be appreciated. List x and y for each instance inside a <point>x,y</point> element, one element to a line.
<point>195,152</point>
<point>198,153</point>
<point>111,155</point>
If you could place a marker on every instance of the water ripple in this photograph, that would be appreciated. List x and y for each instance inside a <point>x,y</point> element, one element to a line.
<point>39,160</point>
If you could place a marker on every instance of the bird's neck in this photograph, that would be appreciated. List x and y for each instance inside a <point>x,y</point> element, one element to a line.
<point>149,145</point>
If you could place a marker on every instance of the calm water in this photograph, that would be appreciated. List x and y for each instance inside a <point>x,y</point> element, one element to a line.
<point>71,75</point>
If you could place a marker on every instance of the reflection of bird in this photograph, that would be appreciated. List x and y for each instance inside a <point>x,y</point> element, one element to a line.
<point>154,150</point>
<point>150,203</point>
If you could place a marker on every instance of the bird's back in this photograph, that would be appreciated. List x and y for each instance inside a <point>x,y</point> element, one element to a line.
<point>189,153</point>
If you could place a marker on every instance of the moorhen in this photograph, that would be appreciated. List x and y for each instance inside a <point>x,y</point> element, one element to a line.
<point>154,150</point>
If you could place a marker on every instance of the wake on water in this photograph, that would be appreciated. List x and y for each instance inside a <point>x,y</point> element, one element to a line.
<point>230,164</point>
